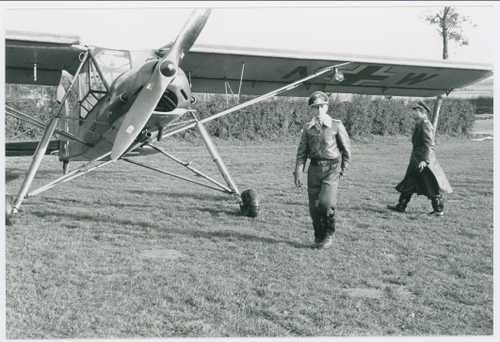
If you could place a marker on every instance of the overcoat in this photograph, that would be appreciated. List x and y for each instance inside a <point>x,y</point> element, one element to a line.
<point>432,180</point>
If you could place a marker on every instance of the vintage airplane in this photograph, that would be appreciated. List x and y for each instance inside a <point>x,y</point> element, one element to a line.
<point>115,104</point>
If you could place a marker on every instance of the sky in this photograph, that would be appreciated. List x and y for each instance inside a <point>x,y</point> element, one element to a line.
<point>388,29</point>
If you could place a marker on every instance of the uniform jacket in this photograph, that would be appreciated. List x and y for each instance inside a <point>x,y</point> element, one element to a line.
<point>327,139</point>
<point>423,150</point>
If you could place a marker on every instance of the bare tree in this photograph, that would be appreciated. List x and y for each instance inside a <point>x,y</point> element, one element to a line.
<point>449,25</point>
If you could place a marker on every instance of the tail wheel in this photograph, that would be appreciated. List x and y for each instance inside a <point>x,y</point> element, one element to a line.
<point>249,203</point>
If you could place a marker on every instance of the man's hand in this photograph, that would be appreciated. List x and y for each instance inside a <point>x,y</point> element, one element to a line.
<point>422,165</point>
<point>298,174</point>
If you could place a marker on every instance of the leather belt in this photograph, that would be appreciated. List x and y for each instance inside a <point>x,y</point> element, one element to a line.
<point>323,162</point>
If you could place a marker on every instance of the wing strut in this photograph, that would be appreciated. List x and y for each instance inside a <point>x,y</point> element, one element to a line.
<point>42,146</point>
<point>231,187</point>
<point>258,99</point>
<point>189,167</point>
<point>25,117</point>
<point>86,168</point>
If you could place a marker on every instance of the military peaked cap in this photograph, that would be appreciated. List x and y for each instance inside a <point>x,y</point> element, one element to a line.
<point>318,98</point>
<point>421,105</point>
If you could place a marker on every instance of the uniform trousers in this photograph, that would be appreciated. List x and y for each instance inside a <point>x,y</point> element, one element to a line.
<point>322,184</point>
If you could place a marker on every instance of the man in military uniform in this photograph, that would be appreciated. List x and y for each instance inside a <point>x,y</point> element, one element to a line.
<point>424,175</point>
<point>326,143</point>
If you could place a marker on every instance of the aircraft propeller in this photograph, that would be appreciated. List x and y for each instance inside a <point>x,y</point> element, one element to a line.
<point>163,74</point>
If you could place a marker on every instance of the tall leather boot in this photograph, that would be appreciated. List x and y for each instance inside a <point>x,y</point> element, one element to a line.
<point>330,222</point>
<point>329,228</point>
<point>317,221</point>
<point>437,205</point>
<point>318,229</point>
<point>403,201</point>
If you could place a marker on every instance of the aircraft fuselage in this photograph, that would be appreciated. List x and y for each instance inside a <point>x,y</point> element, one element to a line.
<point>101,124</point>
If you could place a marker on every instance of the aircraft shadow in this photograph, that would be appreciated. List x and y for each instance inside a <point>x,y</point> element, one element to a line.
<point>175,195</point>
<point>226,234</point>
<point>10,176</point>
<point>216,211</point>
<point>13,174</point>
<point>80,203</point>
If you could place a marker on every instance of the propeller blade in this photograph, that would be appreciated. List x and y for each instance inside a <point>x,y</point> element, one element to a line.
<point>140,112</point>
<point>188,34</point>
<point>164,73</point>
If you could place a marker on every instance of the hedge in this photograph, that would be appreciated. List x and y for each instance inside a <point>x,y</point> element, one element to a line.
<point>274,118</point>
<point>363,115</point>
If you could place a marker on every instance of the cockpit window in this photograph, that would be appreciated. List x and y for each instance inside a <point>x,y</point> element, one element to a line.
<point>97,74</point>
<point>112,63</point>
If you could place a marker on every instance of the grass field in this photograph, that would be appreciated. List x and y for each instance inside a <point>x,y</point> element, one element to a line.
<point>125,252</point>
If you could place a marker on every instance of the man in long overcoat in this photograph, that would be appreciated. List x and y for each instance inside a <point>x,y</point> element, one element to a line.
<point>424,175</point>
<point>326,143</point>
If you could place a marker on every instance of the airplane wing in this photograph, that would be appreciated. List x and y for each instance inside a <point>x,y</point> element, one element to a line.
<point>34,58</point>
<point>27,148</point>
<point>214,68</point>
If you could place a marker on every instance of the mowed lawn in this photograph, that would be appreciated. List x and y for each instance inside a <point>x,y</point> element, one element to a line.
<point>126,252</point>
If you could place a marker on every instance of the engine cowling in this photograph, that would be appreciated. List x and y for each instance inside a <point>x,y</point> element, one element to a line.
<point>126,86</point>
<point>177,95</point>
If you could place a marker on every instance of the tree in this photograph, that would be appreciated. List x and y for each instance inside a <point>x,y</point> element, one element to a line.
<point>449,23</point>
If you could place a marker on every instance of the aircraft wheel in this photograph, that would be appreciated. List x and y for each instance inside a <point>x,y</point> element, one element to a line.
<point>249,203</point>
<point>9,218</point>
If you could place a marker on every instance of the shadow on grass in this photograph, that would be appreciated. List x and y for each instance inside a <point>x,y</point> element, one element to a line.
<point>14,174</point>
<point>226,234</point>
<point>176,195</point>
<point>297,203</point>
<point>217,211</point>
<point>379,209</point>
<point>231,235</point>
<point>80,203</point>
<point>10,176</point>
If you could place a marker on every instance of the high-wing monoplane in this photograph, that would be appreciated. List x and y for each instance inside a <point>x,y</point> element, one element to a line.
<point>114,104</point>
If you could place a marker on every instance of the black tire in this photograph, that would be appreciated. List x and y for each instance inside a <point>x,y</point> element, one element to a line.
<point>249,203</point>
